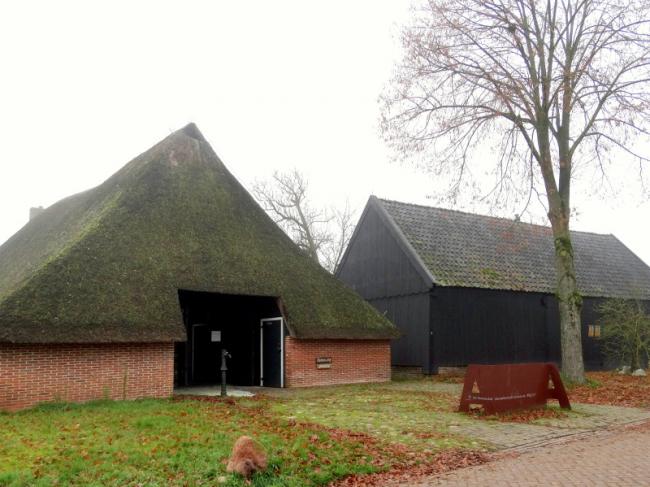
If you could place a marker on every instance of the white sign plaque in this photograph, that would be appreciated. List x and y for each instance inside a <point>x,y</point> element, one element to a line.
<point>324,363</point>
<point>215,336</point>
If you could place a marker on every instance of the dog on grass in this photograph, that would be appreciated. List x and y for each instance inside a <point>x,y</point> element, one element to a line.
<point>247,457</point>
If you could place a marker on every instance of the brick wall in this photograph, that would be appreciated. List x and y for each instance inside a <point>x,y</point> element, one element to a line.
<point>30,374</point>
<point>352,361</point>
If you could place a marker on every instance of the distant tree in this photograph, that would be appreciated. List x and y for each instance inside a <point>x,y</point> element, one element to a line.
<point>323,234</point>
<point>625,334</point>
<point>341,229</point>
<point>548,83</point>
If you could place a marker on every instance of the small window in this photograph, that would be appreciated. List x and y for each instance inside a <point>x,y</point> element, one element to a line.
<point>593,331</point>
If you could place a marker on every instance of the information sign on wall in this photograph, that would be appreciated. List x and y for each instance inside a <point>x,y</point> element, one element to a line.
<point>324,363</point>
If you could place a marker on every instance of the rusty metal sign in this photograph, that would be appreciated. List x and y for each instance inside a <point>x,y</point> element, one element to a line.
<point>508,387</point>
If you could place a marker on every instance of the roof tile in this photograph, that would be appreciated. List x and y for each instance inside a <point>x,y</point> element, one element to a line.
<point>469,250</point>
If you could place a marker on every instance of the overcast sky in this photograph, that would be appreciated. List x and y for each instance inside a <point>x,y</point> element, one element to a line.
<point>85,87</point>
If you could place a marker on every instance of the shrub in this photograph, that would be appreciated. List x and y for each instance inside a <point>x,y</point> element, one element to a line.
<point>625,332</point>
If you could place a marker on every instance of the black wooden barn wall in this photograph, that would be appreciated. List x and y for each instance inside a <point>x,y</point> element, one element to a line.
<point>591,347</point>
<point>487,326</point>
<point>458,326</point>
<point>377,268</point>
<point>453,326</point>
<point>411,315</point>
<point>375,265</point>
<point>491,326</point>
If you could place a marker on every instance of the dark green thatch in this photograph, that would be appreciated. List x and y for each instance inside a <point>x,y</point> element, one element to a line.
<point>106,265</point>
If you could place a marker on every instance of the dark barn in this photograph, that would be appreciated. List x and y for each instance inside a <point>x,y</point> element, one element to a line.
<point>466,288</point>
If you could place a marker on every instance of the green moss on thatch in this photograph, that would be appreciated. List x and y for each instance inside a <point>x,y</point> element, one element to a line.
<point>107,264</point>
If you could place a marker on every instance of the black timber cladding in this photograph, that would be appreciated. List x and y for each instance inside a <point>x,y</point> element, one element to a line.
<point>457,300</point>
<point>376,266</point>
<point>487,326</point>
<point>376,263</point>
<point>410,313</point>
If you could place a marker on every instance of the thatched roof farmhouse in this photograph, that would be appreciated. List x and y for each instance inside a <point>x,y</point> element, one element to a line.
<point>169,250</point>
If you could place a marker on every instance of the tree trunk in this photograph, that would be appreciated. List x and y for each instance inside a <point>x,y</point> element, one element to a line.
<point>636,358</point>
<point>570,305</point>
<point>635,362</point>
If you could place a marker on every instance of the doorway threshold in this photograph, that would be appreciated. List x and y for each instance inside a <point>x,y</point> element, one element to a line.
<point>211,391</point>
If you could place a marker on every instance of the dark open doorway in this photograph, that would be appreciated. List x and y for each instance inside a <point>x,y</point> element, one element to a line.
<point>233,322</point>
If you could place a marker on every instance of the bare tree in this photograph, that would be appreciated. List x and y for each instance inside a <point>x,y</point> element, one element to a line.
<point>322,233</point>
<point>555,85</point>
<point>341,229</point>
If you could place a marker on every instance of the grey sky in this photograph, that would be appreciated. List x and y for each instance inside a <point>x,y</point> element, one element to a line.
<point>85,87</point>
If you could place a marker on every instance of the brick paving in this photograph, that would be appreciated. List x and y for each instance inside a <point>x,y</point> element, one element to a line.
<point>518,436</point>
<point>618,457</point>
<point>584,418</point>
<point>594,446</point>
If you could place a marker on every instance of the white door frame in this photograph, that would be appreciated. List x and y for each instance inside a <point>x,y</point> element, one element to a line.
<point>262,321</point>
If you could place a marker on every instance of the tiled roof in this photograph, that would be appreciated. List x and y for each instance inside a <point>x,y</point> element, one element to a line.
<point>469,250</point>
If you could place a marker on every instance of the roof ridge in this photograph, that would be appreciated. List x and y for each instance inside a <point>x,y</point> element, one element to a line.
<point>489,216</point>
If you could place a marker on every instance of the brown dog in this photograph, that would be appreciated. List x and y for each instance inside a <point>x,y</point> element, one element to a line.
<point>247,457</point>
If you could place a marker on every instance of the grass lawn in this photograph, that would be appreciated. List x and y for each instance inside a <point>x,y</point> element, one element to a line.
<point>407,413</point>
<point>165,442</point>
<point>312,437</point>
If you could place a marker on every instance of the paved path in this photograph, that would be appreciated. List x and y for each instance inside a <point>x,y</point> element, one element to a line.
<point>585,419</point>
<point>613,458</point>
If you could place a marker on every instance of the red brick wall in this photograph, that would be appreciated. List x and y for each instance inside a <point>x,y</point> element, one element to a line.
<point>352,361</point>
<point>30,374</point>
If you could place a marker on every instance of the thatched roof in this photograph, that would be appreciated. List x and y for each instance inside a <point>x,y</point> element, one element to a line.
<point>106,265</point>
<point>461,249</point>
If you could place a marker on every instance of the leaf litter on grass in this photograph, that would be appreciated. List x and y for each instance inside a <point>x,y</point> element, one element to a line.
<point>312,438</point>
<point>610,388</point>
